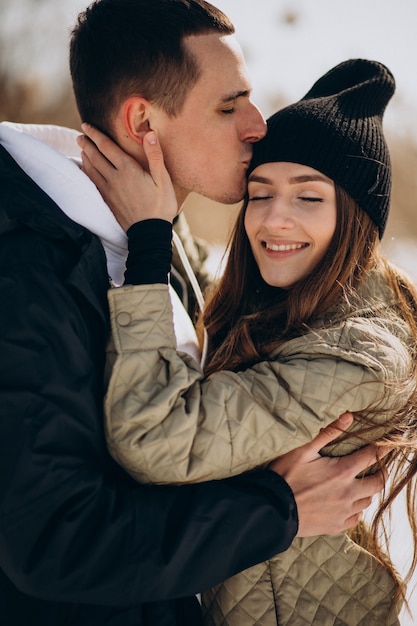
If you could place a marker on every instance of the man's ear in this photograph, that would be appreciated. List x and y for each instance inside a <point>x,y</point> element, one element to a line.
<point>135,113</point>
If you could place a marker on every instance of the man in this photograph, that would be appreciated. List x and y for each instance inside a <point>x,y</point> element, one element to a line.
<point>80,543</point>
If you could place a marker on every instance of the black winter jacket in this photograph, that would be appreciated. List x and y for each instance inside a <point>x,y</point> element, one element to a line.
<point>80,542</point>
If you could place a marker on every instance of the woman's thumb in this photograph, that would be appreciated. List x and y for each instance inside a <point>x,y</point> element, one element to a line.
<point>153,149</point>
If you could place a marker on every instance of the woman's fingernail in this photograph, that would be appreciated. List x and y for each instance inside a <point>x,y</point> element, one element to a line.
<point>151,138</point>
<point>345,419</point>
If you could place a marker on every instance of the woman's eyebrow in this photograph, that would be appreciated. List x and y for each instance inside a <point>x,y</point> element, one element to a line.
<point>306,178</point>
<point>294,180</point>
<point>253,178</point>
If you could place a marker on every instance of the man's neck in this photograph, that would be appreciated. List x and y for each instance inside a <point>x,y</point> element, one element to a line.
<point>181,194</point>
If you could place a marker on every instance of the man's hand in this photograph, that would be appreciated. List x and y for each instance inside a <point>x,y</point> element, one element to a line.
<point>329,497</point>
<point>132,193</point>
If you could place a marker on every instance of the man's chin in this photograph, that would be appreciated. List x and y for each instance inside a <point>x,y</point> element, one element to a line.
<point>227,198</point>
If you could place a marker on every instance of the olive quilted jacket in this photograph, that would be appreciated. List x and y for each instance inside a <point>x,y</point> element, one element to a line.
<point>166,423</point>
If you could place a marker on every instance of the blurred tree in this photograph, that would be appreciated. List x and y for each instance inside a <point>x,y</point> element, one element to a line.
<point>34,79</point>
<point>290,17</point>
<point>403,223</point>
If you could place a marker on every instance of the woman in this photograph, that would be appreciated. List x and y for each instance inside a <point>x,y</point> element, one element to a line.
<point>307,321</point>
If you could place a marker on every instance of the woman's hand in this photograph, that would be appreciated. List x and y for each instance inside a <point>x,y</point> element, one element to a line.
<point>131,193</point>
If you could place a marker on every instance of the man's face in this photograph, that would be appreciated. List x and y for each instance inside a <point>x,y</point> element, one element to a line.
<point>208,145</point>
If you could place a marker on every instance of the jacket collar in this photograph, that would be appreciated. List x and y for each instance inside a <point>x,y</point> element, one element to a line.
<point>48,155</point>
<point>23,202</point>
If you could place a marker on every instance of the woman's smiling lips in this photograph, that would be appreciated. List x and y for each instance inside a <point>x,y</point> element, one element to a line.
<point>283,247</point>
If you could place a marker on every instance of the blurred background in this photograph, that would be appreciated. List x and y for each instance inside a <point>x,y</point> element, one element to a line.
<point>287,45</point>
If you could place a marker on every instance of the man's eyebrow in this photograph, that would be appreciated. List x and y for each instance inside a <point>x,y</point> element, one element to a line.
<point>233,96</point>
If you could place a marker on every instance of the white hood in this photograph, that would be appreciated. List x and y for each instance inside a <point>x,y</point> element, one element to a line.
<point>51,157</point>
<point>42,152</point>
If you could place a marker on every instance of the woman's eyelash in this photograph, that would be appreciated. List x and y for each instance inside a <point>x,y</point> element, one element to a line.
<point>304,198</point>
<point>310,199</point>
<point>257,198</point>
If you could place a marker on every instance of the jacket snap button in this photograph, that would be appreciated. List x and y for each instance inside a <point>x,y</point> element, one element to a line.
<point>123,318</point>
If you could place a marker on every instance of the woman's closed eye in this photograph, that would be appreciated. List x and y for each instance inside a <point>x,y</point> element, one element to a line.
<point>310,199</point>
<point>258,198</point>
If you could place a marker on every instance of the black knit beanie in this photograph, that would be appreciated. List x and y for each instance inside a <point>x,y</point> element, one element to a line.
<point>337,129</point>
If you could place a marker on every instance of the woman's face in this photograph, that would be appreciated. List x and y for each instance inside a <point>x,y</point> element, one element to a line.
<point>290,220</point>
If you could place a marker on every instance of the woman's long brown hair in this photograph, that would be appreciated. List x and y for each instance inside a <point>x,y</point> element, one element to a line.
<point>246,320</point>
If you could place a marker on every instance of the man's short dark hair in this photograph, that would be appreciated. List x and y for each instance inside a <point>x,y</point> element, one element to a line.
<point>122,48</point>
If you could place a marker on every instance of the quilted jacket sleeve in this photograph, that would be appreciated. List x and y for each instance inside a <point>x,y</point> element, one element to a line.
<point>166,423</point>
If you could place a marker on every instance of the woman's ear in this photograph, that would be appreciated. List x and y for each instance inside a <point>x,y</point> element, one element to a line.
<point>135,114</point>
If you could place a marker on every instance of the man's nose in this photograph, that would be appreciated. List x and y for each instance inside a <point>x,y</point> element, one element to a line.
<point>257,127</point>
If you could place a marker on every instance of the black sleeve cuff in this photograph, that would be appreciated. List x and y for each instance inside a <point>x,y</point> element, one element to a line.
<point>150,252</point>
